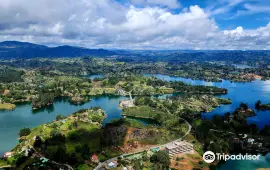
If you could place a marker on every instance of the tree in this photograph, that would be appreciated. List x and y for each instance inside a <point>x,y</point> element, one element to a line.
<point>24,132</point>
<point>60,117</point>
<point>97,118</point>
<point>61,154</point>
<point>161,160</point>
<point>227,116</point>
<point>253,128</point>
<point>137,165</point>
<point>38,141</point>
<point>85,151</point>
<point>218,120</point>
<point>244,106</point>
<point>54,132</point>
<point>258,104</point>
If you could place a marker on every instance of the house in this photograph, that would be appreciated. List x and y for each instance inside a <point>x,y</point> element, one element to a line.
<point>250,141</point>
<point>178,147</point>
<point>112,164</point>
<point>8,154</point>
<point>95,159</point>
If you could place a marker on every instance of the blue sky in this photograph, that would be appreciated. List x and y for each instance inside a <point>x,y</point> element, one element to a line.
<point>139,24</point>
<point>227,13</point>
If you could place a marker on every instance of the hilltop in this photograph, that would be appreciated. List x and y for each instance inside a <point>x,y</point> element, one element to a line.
<point>15,49</point>
<point>26,50</point>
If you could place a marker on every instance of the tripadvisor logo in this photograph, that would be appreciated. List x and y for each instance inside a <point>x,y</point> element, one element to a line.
<point>210,157</point>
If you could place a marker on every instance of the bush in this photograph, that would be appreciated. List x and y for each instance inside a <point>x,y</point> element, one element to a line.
<point>60,117</point>
<point>161,158</point>
<point>97,118</point>
<point>24,132</point>
<point>54,132</point>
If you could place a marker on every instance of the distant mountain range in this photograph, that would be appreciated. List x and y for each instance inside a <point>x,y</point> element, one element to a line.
<point>15,49</point>
<point>24,50</point>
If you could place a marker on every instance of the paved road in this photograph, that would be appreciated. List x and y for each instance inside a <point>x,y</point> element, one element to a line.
<point>38,155</point>
<point>100,165</point>
<point>7,166</point>
<point>189,127</point>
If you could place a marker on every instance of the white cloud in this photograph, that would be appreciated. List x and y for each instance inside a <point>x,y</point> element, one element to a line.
<point>223,6</point>
<point>237,31</point>
<point>167,3</point>
<point>253,9</point>
<point>249,39</point>
<point>109,24</point>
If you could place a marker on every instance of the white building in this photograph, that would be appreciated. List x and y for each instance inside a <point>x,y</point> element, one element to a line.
<point>251,141</point>
<point>8,154</point>
<point>178,147</point>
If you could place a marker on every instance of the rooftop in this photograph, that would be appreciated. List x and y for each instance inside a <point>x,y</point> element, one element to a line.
<point>177,144</point>
<point>94,157</point>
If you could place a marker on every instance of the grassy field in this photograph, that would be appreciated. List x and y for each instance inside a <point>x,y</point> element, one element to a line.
<point>142,111</point>
<point>188,162</point>
<point>78,130</point>
<point>3,163</point>
<point>7,106</point>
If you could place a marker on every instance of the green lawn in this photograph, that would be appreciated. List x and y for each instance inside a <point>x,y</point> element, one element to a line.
<point>142,111</point>
<point>3,163</point>
<point>7,106</point>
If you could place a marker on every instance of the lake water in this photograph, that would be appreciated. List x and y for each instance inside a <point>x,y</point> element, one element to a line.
<point>12,121</point>
<point>263,162</point>
<point>249,93</point>
<point>238,92</point>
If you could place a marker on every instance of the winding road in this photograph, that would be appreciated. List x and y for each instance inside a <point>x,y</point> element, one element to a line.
<point>103,164</point>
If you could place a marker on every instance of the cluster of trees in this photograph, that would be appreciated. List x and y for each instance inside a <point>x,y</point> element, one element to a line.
<point>111,81</point>
<point>217,134</point>
<point>8,75</point>
<point>162,112</point>
<point>182,87</point>
<point>243,112</point>
<point>87,65</point>
<point>260,106</point>
<point>72,146</point>
<point>55,147</point>
<point>160,160</point>
<point>24,132</point>
<point>43,99</point>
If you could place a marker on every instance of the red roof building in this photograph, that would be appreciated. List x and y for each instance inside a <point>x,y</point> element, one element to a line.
<point>94,158</point>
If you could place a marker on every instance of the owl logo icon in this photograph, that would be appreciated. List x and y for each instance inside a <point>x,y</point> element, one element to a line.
<point>209,157</point>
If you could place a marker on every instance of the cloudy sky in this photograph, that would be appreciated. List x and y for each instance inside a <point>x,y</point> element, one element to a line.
<point>138,24</point>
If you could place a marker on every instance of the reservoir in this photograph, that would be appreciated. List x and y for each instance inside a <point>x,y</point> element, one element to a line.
<point>12,121</point>
<point>248,92</point>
